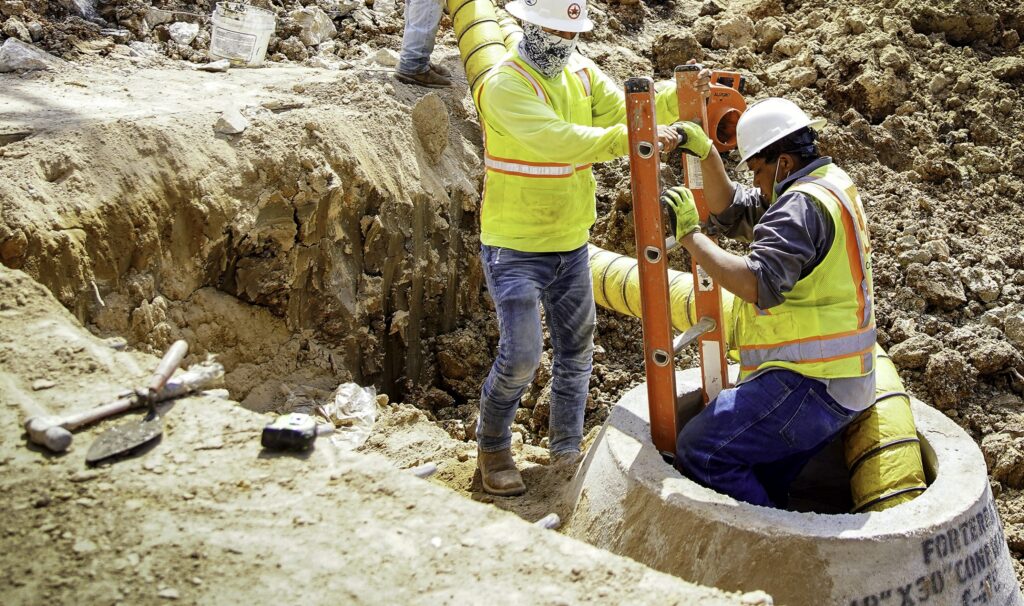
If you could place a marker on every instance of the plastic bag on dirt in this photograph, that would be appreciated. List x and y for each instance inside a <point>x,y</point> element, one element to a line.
<point>353,412</point>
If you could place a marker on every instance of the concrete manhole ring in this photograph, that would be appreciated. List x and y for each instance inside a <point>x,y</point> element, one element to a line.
<point>945,547</point>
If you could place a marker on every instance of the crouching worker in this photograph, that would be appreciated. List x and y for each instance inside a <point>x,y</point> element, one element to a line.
<point>805,326</point>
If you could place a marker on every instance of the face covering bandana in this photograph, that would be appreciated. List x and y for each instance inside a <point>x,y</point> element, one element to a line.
<point>547,53</point>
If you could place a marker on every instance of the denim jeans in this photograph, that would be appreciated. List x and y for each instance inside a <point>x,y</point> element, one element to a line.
<point>421,20</point>
<point>519,282</point>
<point>752,440</point>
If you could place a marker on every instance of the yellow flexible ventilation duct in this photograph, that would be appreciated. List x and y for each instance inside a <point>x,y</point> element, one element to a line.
<point>883,452</point>
<point>881,447</point>
<point>479,35</point>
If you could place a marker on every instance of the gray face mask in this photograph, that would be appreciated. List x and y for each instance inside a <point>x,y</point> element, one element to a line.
<point>546,52</point>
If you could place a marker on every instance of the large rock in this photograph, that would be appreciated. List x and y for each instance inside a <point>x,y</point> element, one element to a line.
<point>1005,459</point>
<point>733,32</point>
<point>982,284</point>
<point>937,284</point>
<point>676,48</point>
<point>183,33</point>
<point>430,119</point>
<point>16,55</point>
<point>949,379</point>
<point>991,357</point>
<point>1013,326</point>
<point>915,351</point>
<point>316,26</point>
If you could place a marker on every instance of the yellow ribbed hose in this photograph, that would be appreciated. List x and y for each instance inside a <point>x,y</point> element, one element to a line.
<point>883,452</point>
<point>617,287</point>
<point>510,28</point>
<point>475,23</point>
<point>881,447</point>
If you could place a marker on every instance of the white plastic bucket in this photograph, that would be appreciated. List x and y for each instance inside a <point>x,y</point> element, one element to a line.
<point>241,33</point>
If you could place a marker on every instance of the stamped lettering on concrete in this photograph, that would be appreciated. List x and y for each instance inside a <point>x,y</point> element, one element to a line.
<point>965,564</point>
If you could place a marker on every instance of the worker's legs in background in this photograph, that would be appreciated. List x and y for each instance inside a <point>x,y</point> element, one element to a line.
<point>515,281</point>
<point>755,437</point>
<point>421,20</point>
<point>571,317</point>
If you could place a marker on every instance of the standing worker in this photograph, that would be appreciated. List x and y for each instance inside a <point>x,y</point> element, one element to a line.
<point>805,325</point>
<point>414,66</point>
<point>547,114</point>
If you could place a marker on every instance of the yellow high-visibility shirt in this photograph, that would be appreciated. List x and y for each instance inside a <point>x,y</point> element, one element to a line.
<point>541,136</point>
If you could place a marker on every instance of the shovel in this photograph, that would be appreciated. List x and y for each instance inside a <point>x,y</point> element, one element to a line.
<point>129,437</point>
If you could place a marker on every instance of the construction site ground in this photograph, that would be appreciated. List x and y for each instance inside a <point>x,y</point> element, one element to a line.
<point>334,240</point>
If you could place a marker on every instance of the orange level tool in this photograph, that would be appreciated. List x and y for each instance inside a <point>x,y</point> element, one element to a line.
<point>645,169</point>
<point>711,345</point>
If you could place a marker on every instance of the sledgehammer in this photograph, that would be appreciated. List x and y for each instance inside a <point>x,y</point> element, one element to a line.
<point>53,432</point>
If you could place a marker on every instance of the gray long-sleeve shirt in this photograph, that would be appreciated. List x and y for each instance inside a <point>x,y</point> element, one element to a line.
<point>788,239</point>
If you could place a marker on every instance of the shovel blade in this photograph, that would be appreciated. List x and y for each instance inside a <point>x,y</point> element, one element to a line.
<point>124,439</point>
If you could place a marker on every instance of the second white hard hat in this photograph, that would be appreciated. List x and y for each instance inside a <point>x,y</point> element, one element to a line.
<point>767,121</point>
<point>561,15</point>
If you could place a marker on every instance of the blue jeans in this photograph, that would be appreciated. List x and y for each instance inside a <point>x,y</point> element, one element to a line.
<point>518,283</point>
<point>752,440</point>
<point>421,20</point>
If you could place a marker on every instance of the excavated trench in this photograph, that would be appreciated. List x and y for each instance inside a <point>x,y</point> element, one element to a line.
<point>307,253</point>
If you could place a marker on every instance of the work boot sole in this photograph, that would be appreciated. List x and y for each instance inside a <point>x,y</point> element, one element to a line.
<point>508,492</point>
<point>417,82</point>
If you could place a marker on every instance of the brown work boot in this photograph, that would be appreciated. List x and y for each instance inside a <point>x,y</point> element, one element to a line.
<point>566,463</point>
<point>429,79</point>
<point>498,473</point>
<point>440,70</point>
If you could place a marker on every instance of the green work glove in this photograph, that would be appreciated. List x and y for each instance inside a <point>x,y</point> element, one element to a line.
<point>684,209</point>
<point>694,142</point>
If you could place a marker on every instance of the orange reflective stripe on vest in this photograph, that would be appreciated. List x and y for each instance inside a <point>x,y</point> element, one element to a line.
<point>858,251</point>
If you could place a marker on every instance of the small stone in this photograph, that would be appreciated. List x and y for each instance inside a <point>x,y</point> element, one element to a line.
<point>219,66</point>
<point>83,546</point>
<point>436,542</point>
<point>385,57</point>
<point>183,33</point>
<point>231,122</point>
<point>316,26</point>
<point>84,476</point>
<point>196,581</point>
<point>42,384</point>
<point>168,594</point>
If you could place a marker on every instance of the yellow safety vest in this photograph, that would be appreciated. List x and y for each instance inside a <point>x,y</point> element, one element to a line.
<point>529,203</point>
<point>825,328</point>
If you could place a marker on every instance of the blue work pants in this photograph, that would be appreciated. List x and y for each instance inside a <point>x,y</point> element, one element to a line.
<point>519,282</point>
<point>752,440</point>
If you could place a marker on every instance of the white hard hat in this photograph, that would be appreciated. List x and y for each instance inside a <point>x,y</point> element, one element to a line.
<point>767,121</point>
<point>561,15</point>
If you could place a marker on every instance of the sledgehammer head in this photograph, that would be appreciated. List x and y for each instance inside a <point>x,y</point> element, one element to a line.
<point>47,432</point>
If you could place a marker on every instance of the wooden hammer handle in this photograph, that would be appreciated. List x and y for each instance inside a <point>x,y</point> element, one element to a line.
<point>170,362</point>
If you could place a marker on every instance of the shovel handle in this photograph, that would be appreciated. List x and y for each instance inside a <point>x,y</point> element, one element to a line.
<point>168,364</point>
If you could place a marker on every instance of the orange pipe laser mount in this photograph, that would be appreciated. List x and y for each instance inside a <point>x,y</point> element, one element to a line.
<point>721,121</point>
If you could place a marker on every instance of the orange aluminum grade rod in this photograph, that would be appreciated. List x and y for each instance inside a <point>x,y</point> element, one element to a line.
<point>645,168</point>
<point>708,298</point>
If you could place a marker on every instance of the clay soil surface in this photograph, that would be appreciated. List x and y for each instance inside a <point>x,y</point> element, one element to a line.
<point>334,239</point>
